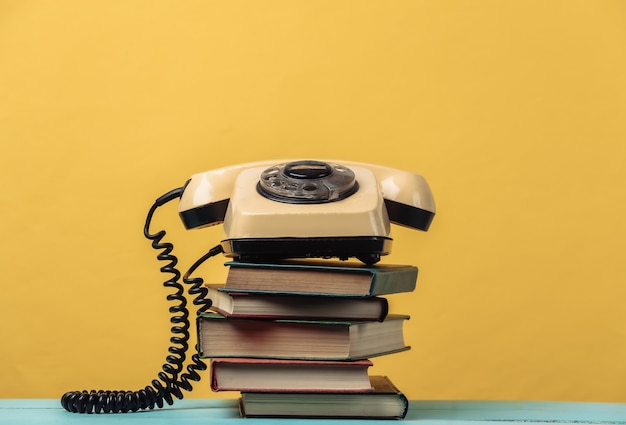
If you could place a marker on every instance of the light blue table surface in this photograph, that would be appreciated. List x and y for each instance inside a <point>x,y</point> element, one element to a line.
<point>224,411</point>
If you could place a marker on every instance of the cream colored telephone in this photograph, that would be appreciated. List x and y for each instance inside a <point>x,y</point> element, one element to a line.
<point>307,208</point>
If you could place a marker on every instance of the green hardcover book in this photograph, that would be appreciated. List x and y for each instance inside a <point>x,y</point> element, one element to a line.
<point>385,402</point>
<point>299,339</point>
<point>320,278</point>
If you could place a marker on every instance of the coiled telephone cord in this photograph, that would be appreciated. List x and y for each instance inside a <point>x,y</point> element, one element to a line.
<point>171,381</point>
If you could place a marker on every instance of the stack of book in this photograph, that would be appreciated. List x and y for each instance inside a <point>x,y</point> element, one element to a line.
<point>295,338</point>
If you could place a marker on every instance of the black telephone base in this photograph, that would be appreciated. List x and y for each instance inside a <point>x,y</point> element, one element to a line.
<point>368,249</point>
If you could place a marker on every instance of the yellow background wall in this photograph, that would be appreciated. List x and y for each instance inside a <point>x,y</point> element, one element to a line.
<point>514,111</point>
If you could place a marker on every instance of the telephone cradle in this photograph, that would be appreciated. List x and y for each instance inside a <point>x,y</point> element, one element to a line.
<point>270,210</point>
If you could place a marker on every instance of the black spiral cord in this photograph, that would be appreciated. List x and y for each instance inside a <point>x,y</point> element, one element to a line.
<point>171,381</point>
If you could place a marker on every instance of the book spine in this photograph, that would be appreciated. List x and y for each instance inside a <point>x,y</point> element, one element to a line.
<point>384,283</point>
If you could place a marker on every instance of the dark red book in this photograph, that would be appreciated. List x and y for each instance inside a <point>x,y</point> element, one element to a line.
<point>272,306</point>
<point>272,375</point>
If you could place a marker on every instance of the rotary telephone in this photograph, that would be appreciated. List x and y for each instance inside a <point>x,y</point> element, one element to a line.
<point>270,210</point>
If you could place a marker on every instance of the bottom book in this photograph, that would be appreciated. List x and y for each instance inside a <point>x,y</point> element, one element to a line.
<point>385,402</point>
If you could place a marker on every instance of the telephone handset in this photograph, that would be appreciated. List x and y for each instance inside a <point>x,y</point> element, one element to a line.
<point>307,208</point>
<point>270,210</point>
